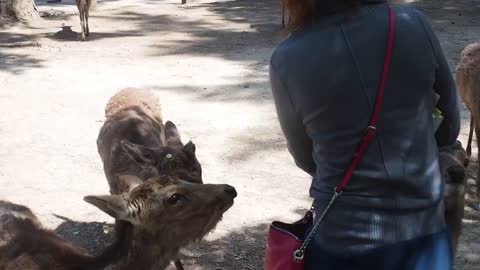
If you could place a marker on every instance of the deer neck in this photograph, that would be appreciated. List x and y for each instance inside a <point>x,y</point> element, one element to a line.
<point>134,249</point>
<point>153,250</point>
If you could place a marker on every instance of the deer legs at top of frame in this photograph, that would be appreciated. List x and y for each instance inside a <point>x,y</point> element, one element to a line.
<point>283,17</point>
<point>470,135</point>
<point>473,127</point>
<point>178,264</point>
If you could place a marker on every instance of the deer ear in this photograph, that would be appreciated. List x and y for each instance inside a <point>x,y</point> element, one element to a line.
<point>140,154</point>
<point>128,182</point>
<point>190,147</point>
<point>116,206</point>
<point>172,135</point>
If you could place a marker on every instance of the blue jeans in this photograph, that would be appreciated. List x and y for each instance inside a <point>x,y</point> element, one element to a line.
<point>432,252</point>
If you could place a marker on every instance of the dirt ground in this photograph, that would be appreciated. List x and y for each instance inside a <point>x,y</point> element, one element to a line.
<point>208,63</point>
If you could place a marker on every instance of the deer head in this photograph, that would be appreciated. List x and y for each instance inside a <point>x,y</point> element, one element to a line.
<point>168,209</point>
<point>173,159</point>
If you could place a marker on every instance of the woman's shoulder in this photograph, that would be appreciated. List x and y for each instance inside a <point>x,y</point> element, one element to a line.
<point>410,17</point>
<point>293,47</point>
<point>280,54</point>
<point>408,11</point>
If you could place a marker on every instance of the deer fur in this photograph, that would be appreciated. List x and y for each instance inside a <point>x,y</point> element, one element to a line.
<point>134,141</point>
<point>467,77</point>
<point>452,159</point>
<point>158,217</point>
<point>84,10</point>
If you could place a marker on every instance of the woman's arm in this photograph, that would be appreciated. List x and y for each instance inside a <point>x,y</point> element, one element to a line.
<point>445,86</point>
<point>298,142</point>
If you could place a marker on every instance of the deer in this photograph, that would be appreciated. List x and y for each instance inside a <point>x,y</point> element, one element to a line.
<point>84,10</point>
<point>156,218</point>
<point>467,78</point>
<point>134,141</point>
<point>452,161</point>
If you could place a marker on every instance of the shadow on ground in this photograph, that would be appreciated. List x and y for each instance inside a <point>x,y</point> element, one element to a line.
<point>471,197</point>
<point>254,141</point>
<point>92,236</point>
<point>261,22</point>
<point>249,91</point>
<point>14,62</point>
<point>244,247</point>
<point>67,34</point>
<point>257,26</point>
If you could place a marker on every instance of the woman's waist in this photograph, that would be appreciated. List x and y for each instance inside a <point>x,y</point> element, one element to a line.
<point>360,228</point>
<point>378,199</point>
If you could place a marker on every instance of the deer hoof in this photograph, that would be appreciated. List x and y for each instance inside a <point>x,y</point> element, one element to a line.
<point>476,207</point>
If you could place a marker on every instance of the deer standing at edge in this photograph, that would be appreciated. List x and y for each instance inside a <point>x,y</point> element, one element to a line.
<point>84,10</point>
<point>467,77</point>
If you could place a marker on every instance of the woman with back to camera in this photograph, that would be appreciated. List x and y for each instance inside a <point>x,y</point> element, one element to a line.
<point>325,78</point>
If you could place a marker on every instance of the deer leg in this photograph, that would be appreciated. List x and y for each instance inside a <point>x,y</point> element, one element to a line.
<point>470,135</point>
<point>477,181</point>
<point>86,23</point>
<point>82,23</point>
<point>283,17</point>
<point>469,142</point>
<point>178,264</point>
<point>477,207</point>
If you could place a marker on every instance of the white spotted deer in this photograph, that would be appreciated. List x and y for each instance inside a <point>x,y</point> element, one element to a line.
<point>467,77</point>
<point>452,159</point>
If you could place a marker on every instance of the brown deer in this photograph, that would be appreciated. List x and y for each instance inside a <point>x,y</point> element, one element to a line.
<point>158,217</point>
<point>467,77</point>
<point>84,10</point>
<point>452,159</point>
<point>134,141</point>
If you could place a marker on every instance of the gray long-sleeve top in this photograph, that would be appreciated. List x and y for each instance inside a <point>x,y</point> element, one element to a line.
<point>325,79</point>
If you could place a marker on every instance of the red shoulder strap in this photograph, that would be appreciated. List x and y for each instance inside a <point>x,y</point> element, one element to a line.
<point>370,134</point>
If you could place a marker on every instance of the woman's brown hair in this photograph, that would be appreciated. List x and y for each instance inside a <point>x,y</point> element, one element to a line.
<point>303,12</point>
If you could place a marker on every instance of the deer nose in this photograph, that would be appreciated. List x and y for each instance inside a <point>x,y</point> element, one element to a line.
<point>230,191</point>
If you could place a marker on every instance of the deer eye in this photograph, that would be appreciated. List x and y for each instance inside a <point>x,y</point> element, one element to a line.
<point>148,156</point>
<point>175,199</point>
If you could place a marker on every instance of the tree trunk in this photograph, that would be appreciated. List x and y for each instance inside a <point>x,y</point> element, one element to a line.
<point>18,9</point>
